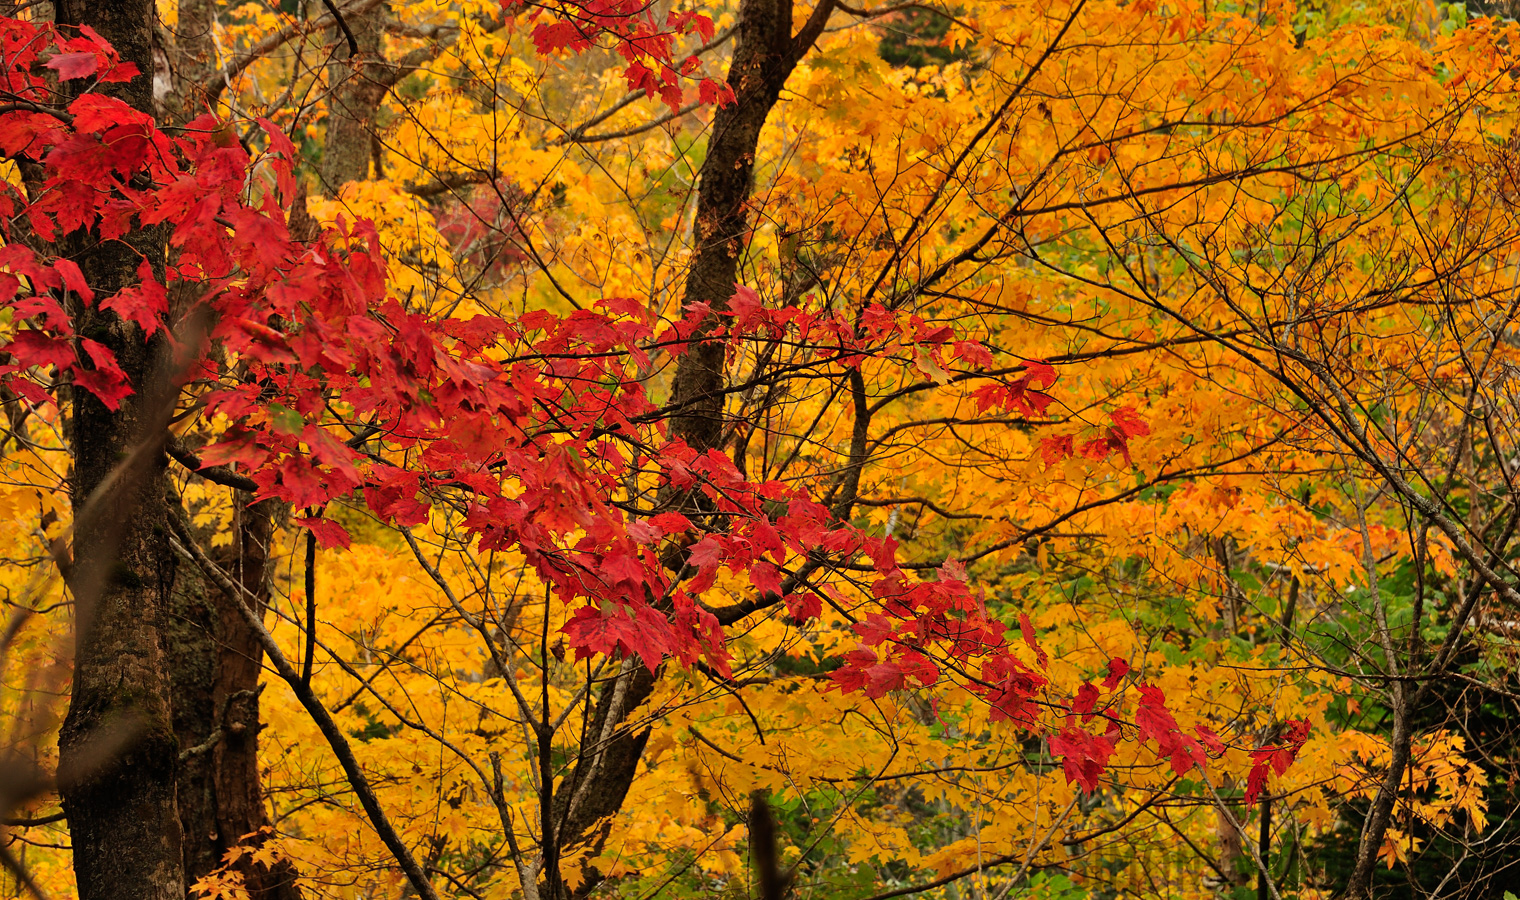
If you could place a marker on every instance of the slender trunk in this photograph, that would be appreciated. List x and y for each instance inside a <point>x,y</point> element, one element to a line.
<point>190,636</point>
<point>1380,816</point>
<point>192,62</point>
<point>1231,850</point>
<point>1264,850</point>
<point>764,55</point>
<point>597,787</point>
<point>117,748</point>
<point>215,659</point>
<point>235,759</point>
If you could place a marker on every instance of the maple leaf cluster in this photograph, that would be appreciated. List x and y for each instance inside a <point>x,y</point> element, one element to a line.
<point>110,170</point>
<point>529,424</point>
<point>636,33</point>
<point>1126,425</point>
<point>930,629</point>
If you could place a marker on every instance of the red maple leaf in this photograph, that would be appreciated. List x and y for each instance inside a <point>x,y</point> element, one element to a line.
<point>714,93</point>
<point>1026,628</point>
<point>1084,756</point>
<point>1276,757</point>
<point>1129,422</point>
<point>73,65</point>
<point>1117,669</point>
<point>1055,448</point>
<point>1156,723</point>
<point>328,533</point>
<point>803,606</point>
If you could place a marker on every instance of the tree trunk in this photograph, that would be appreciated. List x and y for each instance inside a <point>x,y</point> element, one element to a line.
<point>600,781</point>
<point>764,55</point>
<point>117,748</point>
<point>217,661</point>
<point>192,62</point>
<point>358,84</point>
<point>765,52</point>
<point>1380,816</point>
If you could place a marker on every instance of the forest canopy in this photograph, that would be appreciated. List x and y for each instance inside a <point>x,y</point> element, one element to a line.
<point>620,449</point>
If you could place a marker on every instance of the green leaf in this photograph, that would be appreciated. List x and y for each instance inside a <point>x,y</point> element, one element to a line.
<point>285,420</point>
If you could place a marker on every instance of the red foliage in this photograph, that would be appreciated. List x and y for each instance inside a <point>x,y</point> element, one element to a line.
<point>1084,756</point>
<point>636,32</point>
<point>1277,757</point>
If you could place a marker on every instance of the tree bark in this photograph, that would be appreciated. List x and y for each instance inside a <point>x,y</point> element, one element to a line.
<point>1380,816</point>
<point>216,663</point>
<point>358,84</point>
<point>192,62</point>
<point>117,748</point>
<point>602,776</point>
<point>765,53</point>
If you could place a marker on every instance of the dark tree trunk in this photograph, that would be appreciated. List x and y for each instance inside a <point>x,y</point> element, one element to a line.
<point>1380,816</point>
<point>765,52</point>
<point>217,660</point>
<point>235,759</point>
<point>117,749</point>
<point>597,787</point>
<point>358,84</point>
<point>190,636</point>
